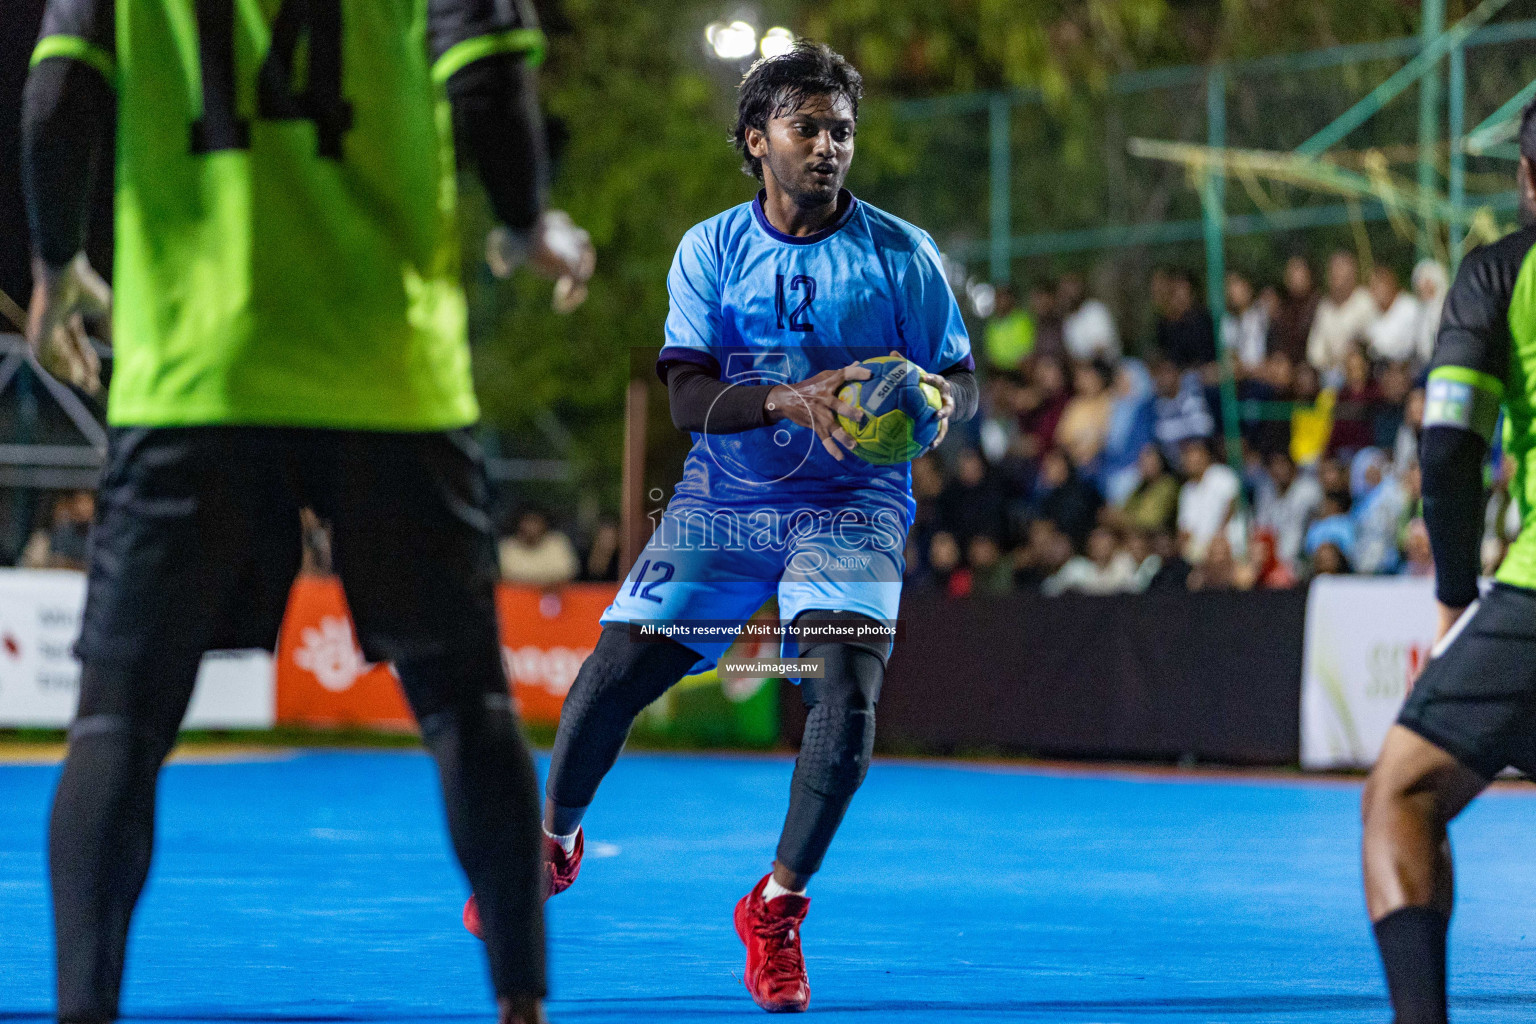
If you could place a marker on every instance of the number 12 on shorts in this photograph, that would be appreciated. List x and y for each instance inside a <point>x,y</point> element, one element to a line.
<point>664,571</point>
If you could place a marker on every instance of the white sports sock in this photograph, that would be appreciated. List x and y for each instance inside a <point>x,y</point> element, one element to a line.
<point>567,843</point>
<point>773,889</point>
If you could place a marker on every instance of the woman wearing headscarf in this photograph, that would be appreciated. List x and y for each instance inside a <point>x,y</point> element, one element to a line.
<point>1380,502</point>
<point>1132,420</point>
<point>1430,283</point>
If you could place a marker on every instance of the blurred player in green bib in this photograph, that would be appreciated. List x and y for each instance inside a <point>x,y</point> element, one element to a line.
<point>289,330</point>
<point>1472,712</point>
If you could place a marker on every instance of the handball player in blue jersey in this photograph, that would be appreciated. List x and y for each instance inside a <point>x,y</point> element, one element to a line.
<point>773,305</point>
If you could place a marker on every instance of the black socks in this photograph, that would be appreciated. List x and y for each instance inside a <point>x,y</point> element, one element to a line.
<point>1412,944</point>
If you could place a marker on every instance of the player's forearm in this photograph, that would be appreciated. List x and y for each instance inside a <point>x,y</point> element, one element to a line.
<point>966,392</point>
<point>704,404</point>
<point>66,123</point>
<point>1452,463</point>
<point>497,124</point>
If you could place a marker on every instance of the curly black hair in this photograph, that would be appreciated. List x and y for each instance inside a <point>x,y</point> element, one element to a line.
<point>777,85</point>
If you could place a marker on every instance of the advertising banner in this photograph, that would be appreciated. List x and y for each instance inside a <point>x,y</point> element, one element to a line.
<point>324,680</point>
<point>1367,639</point>
<point>40,679</point>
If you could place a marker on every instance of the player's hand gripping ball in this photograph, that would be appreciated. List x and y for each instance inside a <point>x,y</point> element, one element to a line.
<point>901,412</point>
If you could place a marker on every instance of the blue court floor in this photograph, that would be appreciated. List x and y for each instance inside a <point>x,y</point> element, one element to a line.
<point>319,888</point>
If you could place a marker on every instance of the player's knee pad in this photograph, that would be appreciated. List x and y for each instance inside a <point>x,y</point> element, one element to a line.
<point>840,724</point>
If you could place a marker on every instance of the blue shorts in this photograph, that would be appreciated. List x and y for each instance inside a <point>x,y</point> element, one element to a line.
<point>711,569</point>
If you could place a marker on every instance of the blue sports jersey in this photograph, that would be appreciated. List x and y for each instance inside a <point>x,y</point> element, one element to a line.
<point>754,306</point>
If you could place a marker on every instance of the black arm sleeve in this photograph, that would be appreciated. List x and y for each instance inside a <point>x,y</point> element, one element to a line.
<point>66,122</point>
<point>967,393</point>
<point>1452,463</point>
<point>67,114</point>
<point>704,404</point>
<point>496,121</point>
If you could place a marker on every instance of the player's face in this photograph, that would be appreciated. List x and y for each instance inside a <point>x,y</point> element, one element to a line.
<point>807,151</point>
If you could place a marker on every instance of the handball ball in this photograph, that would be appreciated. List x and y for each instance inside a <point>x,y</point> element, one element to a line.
<point>901,413</point>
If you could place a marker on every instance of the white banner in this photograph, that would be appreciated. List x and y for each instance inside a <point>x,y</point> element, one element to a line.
<point>1367,638</point>
<point>40,678</point>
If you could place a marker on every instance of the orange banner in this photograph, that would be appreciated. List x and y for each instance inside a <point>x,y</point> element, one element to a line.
<point>322,679</point>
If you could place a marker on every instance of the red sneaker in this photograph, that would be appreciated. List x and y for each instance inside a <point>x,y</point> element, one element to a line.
<point>563,867</point>
<point>770,929</point>
<point>560,868</point>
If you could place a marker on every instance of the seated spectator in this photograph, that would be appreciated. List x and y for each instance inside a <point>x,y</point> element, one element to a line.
<point>1132,422</point>
<point>944,565</point>
<point>1139,546</point>
<point>1245,327</point>
<point>66,544</point>
<point>536,554</point>
<point>601,562</point>
<point>1047,316</point>
<point>1380,505</point>
<point>1207,499</point>
<point>1430,284</point>
<point>1084,425</point>
<point>1172,575</point>
<point>1293,321</point>
<point>1393,336</point>
<point>1329,559</point>
<point>1219,570</point>
<point>1271,383</point>
<point>1418,560</point>
<point>1342,316</point>
<point>1284,505</point>
<point>1041,403</point>
<point>1103,569</point>
<point>1333,478</point>
<point>1333,529</point>
<point>1311,416</point>
<point>972,502</point>
<point>1265,570</point>
<point>1393,386</point>
<point>1405,446</point>
<point>1180,411</point>
<point>1153,504</point>
<point>1184,332</point>
<point>997,424</point>
<point>1042,556</point>
<point>1067,498</point>
<point>1357,402</point>
<point>1009,336</point>
<point>1087,327</point>
<point>990,574</point>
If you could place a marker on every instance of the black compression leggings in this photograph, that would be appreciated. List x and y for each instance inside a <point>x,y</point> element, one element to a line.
<point>102,829</point>
<point>623,675</point>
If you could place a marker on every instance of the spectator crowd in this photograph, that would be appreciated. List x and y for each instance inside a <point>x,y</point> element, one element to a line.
<point>1089,470</point>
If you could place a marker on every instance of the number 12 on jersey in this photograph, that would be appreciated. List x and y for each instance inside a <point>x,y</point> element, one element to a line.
<point>797,316</point>
<point>317,21</point>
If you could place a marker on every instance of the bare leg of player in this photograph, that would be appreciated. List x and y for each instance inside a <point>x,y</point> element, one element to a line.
<point>1413,793</point>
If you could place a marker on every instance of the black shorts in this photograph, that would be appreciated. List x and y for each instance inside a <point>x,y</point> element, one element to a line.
<point>198,539</point>
<point>1477,699</point>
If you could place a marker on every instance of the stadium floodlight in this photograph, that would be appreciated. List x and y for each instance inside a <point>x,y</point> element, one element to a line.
<point>777,41</point>
<point>731,41</point>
